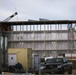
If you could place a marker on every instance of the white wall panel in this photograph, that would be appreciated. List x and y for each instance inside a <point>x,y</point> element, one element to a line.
<point>59,36</point>
<point>64,45</point>
<point>59,45</point>
<point>32,36</point>
<point>35,36</point>
<point>14,37</point>
<point>25,36</point>
<point>25,45</point>
<point>54,36</point>
<point>39,45</point>
<point>48,45</point>
<point>38,36</point>
<point>75,36</point>
<point>42,36</point>
<point>48,36</point>
<point>64,36</point>
<point>29,36</point>
<point>44,40</point>
<point>53,45</point>
<point>75,44</point>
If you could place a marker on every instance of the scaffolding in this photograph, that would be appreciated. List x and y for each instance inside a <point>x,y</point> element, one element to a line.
<point>71,39</point>
<point>44,37</point>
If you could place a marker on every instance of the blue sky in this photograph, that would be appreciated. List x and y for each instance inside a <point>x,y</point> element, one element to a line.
<point>35,9</point>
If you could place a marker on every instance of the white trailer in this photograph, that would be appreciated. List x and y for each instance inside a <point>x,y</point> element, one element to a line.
<point>71,56</point>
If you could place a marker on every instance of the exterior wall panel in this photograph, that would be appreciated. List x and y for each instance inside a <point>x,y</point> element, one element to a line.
<point>43,39</point>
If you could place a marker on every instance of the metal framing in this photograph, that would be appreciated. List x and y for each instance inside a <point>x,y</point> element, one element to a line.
<point>39,22</point>
<point>46,38</point>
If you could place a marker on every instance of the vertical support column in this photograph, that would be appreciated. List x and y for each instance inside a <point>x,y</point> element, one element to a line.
<point>61,35</point>
<point>70,39</point>
<point>56,39</point>
<point>4,52</point>
<point>33,45</point>
<point>44,42</point>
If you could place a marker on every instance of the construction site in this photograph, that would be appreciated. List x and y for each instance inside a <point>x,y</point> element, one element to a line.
<point>27,42</point>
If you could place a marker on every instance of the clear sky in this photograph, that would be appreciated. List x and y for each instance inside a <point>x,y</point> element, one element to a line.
<point>35,9</point>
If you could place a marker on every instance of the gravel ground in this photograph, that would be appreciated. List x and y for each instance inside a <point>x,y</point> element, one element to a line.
<point>74,71</point>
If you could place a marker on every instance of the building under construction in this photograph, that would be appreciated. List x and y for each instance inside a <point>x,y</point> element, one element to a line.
<point>45,37</point>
